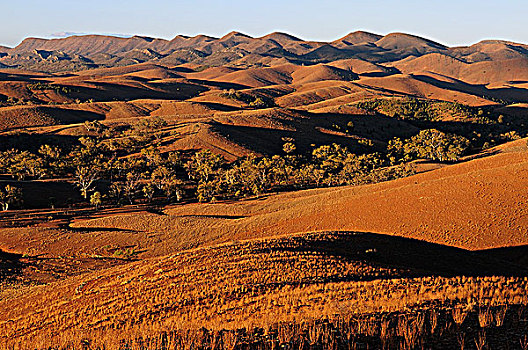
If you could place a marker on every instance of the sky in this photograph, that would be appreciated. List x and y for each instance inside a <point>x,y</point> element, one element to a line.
<point>450,22</point>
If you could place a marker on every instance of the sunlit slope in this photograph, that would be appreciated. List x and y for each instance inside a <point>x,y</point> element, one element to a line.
<point>477,204</point>
<point>256,283</point>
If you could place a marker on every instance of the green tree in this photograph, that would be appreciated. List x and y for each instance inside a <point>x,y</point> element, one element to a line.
<point>435,145</point>
<point>258,103</point>
<point>175,160</point>
<point>207,190</point>
<point>153,155</point>
<point>148,191</point>
<point>330,159</point>
<point>52,156</point>
<point>203,165</point>
<point>289,147</point>
<point>166,181</point>
<point>25,163</point>
<point>96,200</point>
<point>131,185</point>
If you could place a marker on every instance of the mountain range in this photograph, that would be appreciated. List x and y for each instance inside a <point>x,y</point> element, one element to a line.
<point>240,50</point>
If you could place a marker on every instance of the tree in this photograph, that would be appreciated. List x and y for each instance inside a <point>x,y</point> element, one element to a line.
<point>85,178</point>
<point>131,185</point>
<point>24,164</point>
<point>203,165</point>
<point>435,145</point>
<point>308,174</point>
<point>278,170</point>
<point>258,103</point>
<point>254,176</point>
<point>10,195</point>
<point>86,154</point>
<point>116,191</point>
<point>94,126</point>
<point>395,150</point>
<point>165,180</point>
<point>330,158</point>
<point>52,158</point>
<point>357,168</point>
<point>96,199</point>
<point>207,190</point>
<point>148,191</point>
<point>153,155</point>
<point>350,126</point>
<point>289,147</point>
<point>175,159</point>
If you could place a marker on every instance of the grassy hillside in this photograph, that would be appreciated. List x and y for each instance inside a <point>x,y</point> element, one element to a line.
<point>259,283</point>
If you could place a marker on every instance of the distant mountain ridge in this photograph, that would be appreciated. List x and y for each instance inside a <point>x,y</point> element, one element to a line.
<point>238,50</point>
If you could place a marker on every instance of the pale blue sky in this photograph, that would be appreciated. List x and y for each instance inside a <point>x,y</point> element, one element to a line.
<point>451,22</point>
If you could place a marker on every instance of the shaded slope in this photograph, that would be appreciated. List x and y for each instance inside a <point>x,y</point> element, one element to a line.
<point>410,85</point>
<point>316,73</point>
<point>410,43</point>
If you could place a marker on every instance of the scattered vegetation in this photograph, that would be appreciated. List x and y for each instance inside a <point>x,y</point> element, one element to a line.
<point>430,144</point>
<point>105,157</point>
<point>251,100</point>
<point>324,290</point>
<point>45,86</point>
<point>409,108</point>
<point>125,164</point>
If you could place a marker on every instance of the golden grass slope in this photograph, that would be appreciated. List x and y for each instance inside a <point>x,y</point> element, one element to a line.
<point>253,283</point>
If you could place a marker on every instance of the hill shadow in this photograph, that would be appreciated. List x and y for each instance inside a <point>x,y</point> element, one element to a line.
<point>376,74</point>
<point>10,266</point>
<point>182,70</point>
<point>115,91</point>
<point>413,257</point>
<point>219,84</point>
<point>510,94</point>
<point>317,129</point>
<point>31,142</point>
<point>219,107</point>
<point>517,255</point>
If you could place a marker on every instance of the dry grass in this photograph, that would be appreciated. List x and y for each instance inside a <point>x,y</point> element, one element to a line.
<point>242,285</point>
<point>408,330</point>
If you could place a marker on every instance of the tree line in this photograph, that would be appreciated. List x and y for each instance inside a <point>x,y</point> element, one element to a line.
<point>104,172</point>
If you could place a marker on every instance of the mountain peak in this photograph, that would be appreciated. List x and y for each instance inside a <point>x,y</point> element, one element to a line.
<point>280,36</point>
<point>180,37</point>
<point>145,38</point>
<point>359,37</point>
<point>403,40</point>
<point>235,34</point>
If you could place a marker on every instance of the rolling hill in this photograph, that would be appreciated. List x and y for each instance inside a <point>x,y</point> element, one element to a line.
<point>263,193</point>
